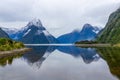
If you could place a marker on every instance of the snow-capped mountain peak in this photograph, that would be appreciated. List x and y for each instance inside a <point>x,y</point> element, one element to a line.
<point>35,22</point>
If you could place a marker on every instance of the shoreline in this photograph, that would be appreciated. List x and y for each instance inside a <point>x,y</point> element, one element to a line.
<point>93,45</point>
<point>14,52</point>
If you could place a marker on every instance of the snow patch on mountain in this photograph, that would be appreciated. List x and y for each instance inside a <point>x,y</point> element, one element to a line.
<point>46,33</point>
<point>26,32</point>
<point>97,30</point>
<point>38,32</point>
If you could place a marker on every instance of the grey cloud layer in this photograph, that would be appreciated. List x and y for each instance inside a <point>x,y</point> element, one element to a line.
<point>58,13</point>
<point>15,10</point>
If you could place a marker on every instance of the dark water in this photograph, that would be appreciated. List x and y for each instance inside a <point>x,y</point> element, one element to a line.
<point>62,63</point>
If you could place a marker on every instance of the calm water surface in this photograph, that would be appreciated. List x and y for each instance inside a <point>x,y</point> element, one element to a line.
<point>62,63</point>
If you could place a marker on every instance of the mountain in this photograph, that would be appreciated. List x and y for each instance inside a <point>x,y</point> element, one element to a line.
<point>34,33</point>
<point>88,32</point>
<point>10,31</point>
<point>111,32</point>
<point>3,34</point>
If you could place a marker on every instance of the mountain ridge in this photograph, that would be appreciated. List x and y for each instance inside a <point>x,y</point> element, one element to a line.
<point>35,33</point>
<point>88,32</point>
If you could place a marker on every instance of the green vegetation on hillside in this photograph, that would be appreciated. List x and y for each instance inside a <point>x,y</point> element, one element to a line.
<point>7,44</point>
<point>111,32</point>
<point>112,57</point>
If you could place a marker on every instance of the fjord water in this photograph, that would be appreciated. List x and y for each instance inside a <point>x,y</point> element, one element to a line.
<point>62,63</point>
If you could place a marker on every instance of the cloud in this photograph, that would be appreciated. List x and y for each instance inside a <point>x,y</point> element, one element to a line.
<point>64,15</point>
<point>100,14</point>
<point>15,10</point>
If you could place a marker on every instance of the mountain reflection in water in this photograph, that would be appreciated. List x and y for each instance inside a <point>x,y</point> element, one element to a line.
<point>88,54</point>
<point>39,54</point>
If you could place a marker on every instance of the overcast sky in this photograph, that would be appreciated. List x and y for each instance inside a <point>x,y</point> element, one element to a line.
<point>56,15</point>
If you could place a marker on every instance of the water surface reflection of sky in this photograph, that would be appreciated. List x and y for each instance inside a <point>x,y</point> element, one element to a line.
<point>54,63</point>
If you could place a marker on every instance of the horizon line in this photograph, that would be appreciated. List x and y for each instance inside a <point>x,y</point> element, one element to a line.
<point>49,44</point>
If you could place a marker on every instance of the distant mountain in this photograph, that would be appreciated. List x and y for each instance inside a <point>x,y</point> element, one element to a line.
<point>88,32</point>
<point>111,32</point>
<point>34,33</point>
<point>3,34</point>
<point>10,31</point>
